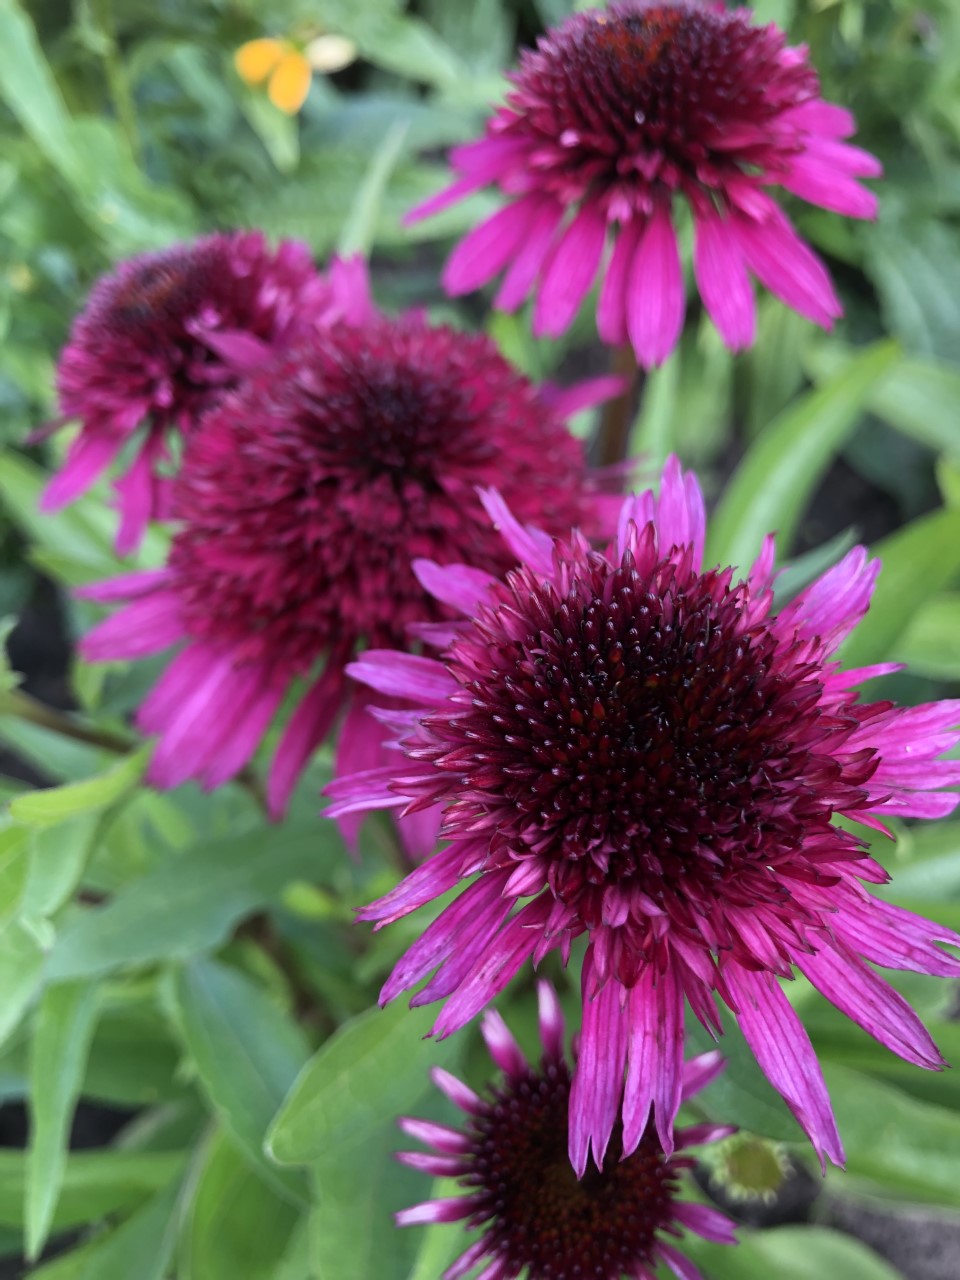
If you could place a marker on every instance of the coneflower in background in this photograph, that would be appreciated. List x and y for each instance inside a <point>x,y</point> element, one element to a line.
<point>619,117</point>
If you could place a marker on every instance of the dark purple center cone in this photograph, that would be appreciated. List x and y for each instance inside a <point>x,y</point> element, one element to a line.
<point>647,733</point>
<point>540,1215</point>
<point>666,93</point>
<point>309,491</point>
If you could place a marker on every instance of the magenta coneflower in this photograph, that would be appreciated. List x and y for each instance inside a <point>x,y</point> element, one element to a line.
<point>163,337</point>
<point>616,114</point>
<point>298,506</point>
<point>634,749</point>
<point>511,1157</point>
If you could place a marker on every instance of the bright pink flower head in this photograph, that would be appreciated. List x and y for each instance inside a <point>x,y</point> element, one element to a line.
<point>539,1219</point>
<point>163,337</point>
<point>626,746</point>
<point>617,114</point>
<point>299,504</point>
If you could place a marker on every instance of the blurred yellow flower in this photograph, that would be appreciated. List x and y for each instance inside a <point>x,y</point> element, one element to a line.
<point>287,68</point>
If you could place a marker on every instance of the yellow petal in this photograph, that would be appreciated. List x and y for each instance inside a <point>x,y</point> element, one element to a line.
<point>290,83</point>
<point>331,53</point>
<point>256,59</point>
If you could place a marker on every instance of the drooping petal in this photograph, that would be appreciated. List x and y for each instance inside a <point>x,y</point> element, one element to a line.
<point>782,1048</point>
<point>569,272</point>
<point>598,1081</point>
<point>723,281</point>
<point>655,295</point>
<point>309,725</point>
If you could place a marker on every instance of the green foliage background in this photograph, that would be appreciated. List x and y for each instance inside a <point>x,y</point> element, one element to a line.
<point>175,956</point>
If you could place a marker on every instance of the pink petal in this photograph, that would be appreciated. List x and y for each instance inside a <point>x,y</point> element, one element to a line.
<point>87,458</point>
<point>707,1222</point>
<point>831,607</point>
<point>699,1072</point>
<point>137,494</point>
<point>597,1087</point>
<point>531,546</point>
<point>871,1003</point>
<point>783,1049</point>
<point>403,675</point>
<point>681,517</point>
<point>245,733</point>
<point>459,585</point>
<point>655,1066</point>
<point>126,586</point>
<point>789,268</point>
<point>359,749</point>
<point>503,1048</point>
<point>681,1267</point>
<point>309,725</point>
<point>655,294</point>
<point>501,960</point>
<point>430,880</point>
<point>527,263</point>
<point>723,281</point>
<point>489,246</point>
<point>569,272</point>
<point>550,1017</point>
<point>823,184</point>
<point>148,625</point>
<point>566,401</point>
<point>612,305</point>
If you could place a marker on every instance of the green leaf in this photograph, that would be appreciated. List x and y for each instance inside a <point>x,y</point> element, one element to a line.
<point>30,91</point>
<point>918,561</point>
<point>56,804</point>
<point>930,645</point>
<point>397,42</point>
<point>741,1095</point>
<point>64,1026</point>
<point>279,133</point>
<point>237,1226</point>
<point>14,870</point>
<point>142,1246</point>
<point>58,858</point>
<point>895,1144</point>
<point>96,1185</point>
<point>134,1060</point>
<point>83,532</point>
<point>359,230</point>
<point>247,1054</point>
<point>789,1253</point>
<point>21,973</point>
<point>366,1074</point>
<point>773,484</point>
<point>441,1242</point>
<point>188,905</point>
<point>357,1190</point>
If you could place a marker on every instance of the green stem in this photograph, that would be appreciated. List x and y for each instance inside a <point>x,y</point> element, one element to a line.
<point>614,436</point>
<point>21,705</point>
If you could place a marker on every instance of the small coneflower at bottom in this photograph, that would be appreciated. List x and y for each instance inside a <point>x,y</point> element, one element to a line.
<point>537,1218</point>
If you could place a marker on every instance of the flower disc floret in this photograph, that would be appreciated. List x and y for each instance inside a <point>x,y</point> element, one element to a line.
<point>300,502</point>
<point>618,114</point>
<point>163,337</point>
<point>536,1216</point>
<point>627,747</point>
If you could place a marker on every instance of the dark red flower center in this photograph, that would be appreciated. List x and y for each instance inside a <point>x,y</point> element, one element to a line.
<point>648,731</point>
<point>310,490</point>
<point>681,95</point>
<point>537,1214</point>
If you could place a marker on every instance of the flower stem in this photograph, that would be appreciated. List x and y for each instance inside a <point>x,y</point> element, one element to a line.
<point>16,703</point>
<point>613,441</point>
